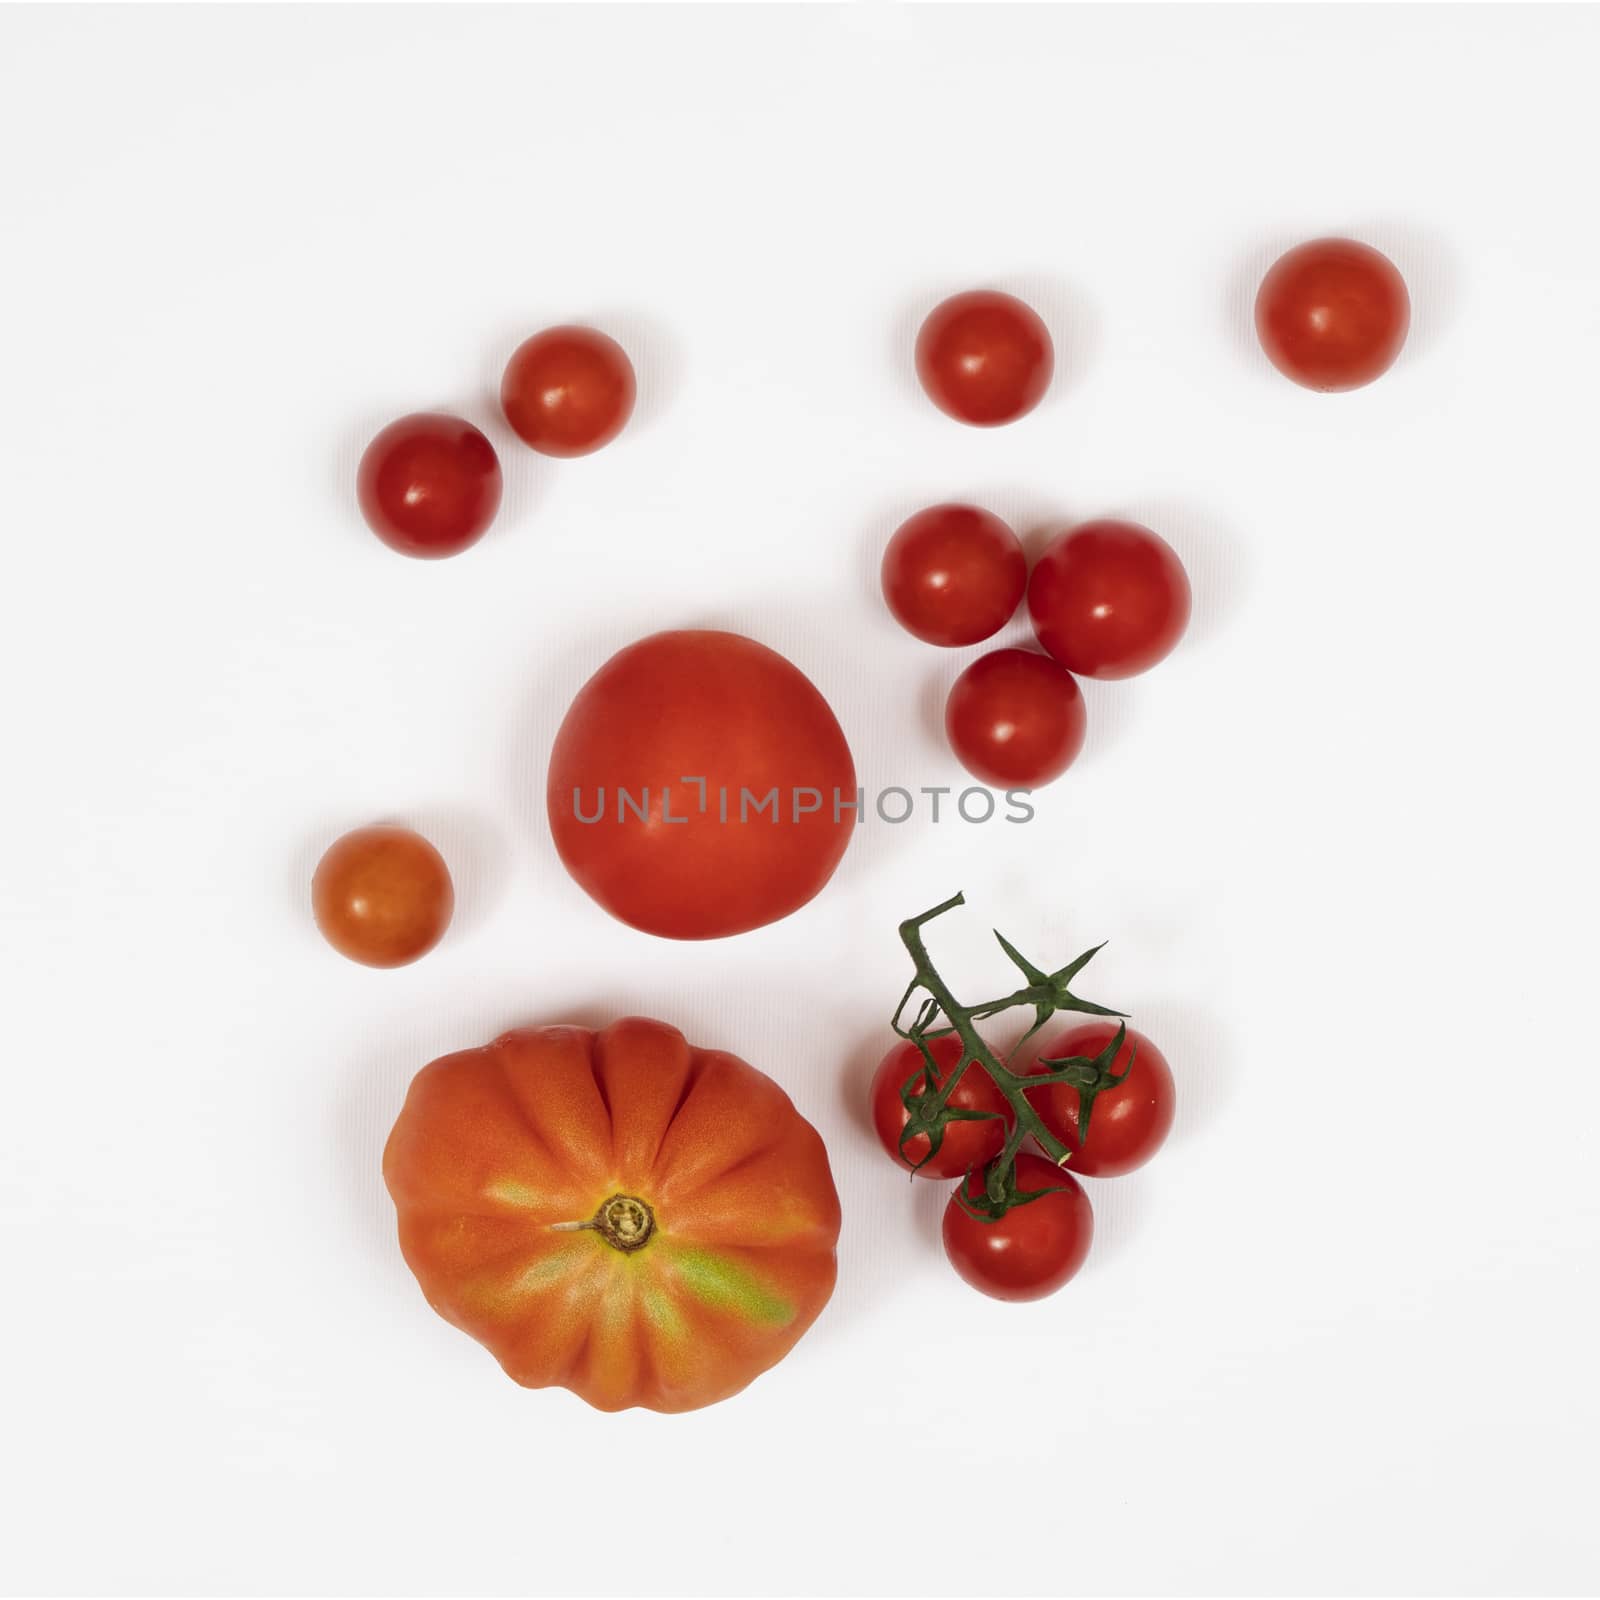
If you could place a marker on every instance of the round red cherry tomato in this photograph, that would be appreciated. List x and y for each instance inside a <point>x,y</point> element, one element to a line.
<point>1127,1124</point>
<point>429,485</point>
<point>965,1144</point>
<point>1333,314</point>
<point>700,786</point>
<point>1015,719</point>
<point>568,391</point>
<point>953,575</point>
<point>984,357</point>
<point>382,896</point>
<point>1108,599</point>
<point>1034,1248</point>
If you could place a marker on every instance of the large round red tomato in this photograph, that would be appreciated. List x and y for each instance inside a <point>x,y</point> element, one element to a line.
<point>700,786</point>
<point>1108,599</point>
<point>1035,1247</point>
<point>1127,1123</point>
<point>617,1213</point>
<point>967,1142</point>
<point>1333,314</point>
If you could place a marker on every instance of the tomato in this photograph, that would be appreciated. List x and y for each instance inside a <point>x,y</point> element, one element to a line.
<point>965,1144</point>
<point>1034,1248</point>
<point>984,358</point>
<point>618,1213</point>
<point>953,575</point>
<point>1108,599</point>
<point>1128,1123</point>
<point>567,391</point>
<point>1015,719</point>
<point>1333,314</point>
<point>382,896</point>
<point>429,485</point>
<point>700,786</point>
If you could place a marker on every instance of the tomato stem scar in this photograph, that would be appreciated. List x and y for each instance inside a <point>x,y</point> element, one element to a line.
<point>624,1222</point>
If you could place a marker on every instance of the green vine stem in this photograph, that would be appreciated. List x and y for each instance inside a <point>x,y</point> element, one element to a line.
<point>927,1101</point>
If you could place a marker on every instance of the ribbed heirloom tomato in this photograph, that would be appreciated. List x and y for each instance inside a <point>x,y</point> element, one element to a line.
<point>700,786</point>
<point>617,1213</point>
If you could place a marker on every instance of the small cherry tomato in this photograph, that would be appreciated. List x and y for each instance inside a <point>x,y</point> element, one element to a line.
<point>1108,599</point>
<point>1015,719</point>
<point>1127,1124</point>
<point>966,1144</point>
<point>568,390</point>
<point>1035,1247</point>
<point>1333,314</point>
<point>429,485</point>
<point>382,896</point>
<point>953,575</point>
<point>984,357</point>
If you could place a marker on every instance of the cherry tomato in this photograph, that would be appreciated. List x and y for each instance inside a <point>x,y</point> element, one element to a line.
<point>429,485</point>
<point>1127,1124</point>
<point>382,896</point>
<point>953,575</point>
<point>1108,599</point>
<point>984,358</point>
<point>1034,1248</point>
<point>700,786</point>
<point>568,390</point>
<point>1015,719</point>
<point>1333,314</point>
<point>965,1144</point>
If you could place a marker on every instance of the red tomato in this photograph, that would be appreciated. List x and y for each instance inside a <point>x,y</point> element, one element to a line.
<point>1108,599</point>
<point>639,1221</point>
<point>984,358</point>
<point>568,391</point>
<point>1034,1248</point>
<point>953,575</point>
<point>382,896</point>
<point>1333,314</point>
<point>1127,1124</point>
<point>700,786</point>
<point>1015,719</point>
<point>965,1144</point>
<point>429,485</point>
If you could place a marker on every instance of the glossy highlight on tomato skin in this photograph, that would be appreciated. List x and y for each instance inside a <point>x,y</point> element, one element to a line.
<point>984,358</point>
<point>429,485</point>
<point>569,390</point>
<point>953,575</point>
<point>1333,314</point>
<point>1109,599</point>
<point>503,1157</point>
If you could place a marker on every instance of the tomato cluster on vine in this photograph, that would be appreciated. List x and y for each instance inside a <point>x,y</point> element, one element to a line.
<point>1092,1099</point>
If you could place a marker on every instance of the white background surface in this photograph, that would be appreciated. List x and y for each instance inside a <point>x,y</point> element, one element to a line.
<point>1341,1336</point>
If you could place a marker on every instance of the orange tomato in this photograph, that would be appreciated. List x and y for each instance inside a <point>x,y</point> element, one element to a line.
<point>618,1213</point>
